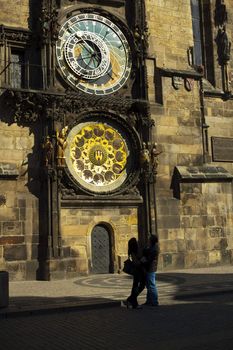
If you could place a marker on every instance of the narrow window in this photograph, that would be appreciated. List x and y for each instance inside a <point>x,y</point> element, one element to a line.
<point>17,69</point>
<point>203,38</point>
<point>196,22</point>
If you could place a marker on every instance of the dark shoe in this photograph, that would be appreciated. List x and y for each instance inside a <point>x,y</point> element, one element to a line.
<point>150,304</point>
<point>146,304</point>
<point>127,304</point>
<point>138,307</point>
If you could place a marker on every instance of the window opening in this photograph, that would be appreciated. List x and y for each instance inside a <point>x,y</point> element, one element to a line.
<point>202,55</point>
<point>196,23</point>
<point>17,69</point>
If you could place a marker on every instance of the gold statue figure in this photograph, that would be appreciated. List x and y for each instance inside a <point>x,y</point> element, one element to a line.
<point>144,156</point>
<point>61,146</point>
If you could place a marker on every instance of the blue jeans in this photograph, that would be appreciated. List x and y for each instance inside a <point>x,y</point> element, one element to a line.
<point>152,293</point>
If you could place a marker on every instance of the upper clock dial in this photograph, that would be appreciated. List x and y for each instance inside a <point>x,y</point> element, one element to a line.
<point>93,54</point>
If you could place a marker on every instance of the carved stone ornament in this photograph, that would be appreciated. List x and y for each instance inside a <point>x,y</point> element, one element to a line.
<point>2,200</point>
<point>130,108</point>
<point>149,161</point>
<point>21,36</point>
<point>177,82</point>
<point>47,147</point>
<point>68,192</point>
<point>141,33</point>
<point>71,192</point>
<point>134,191</point>
<point>148,122</point>
<point>25,106</point>
<point>189,84</point>
<point>220,16</point>
<point>29,106</point>
<point>141,39</point>
<point>154,158</point>
<point>80,101</point>
<point>223,46</point>
<point>49,24</point>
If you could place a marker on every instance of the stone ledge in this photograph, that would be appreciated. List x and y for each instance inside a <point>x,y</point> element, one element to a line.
<point>202,174</point>
<point>180,73</point>
<point>198,174</point>
<point>86,202</point>
<point>115,3</point>
<point>8,170</point>
<point>218,94</point>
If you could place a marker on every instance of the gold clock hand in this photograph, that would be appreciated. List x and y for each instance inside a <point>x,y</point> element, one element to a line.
<point>108,73</point>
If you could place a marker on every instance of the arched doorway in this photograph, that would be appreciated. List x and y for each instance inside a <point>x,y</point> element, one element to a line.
<point>101,248</point>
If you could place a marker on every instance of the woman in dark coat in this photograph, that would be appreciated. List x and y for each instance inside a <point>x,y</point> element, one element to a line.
<point>139,277</point>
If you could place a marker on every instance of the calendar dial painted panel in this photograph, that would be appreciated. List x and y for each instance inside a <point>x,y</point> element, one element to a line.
<point>98,156</point>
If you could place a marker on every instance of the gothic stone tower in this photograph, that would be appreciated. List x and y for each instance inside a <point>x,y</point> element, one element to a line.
<point>77,87</point>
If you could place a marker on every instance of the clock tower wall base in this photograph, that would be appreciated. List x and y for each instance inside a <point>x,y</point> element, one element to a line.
<point>77,228</point>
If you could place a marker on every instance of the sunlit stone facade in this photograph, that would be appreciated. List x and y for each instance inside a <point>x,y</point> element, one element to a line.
<point>116,122</point>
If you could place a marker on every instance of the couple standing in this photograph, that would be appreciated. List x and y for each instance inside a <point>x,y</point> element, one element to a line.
<point>145,272</point>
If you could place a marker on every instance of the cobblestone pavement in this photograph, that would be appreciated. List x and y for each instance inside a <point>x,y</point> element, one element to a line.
<point>202,323</point>
<point>109,290</point>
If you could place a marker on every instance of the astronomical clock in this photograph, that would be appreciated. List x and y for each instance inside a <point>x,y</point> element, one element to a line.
<point>94,60</point>
<point>97,124</point>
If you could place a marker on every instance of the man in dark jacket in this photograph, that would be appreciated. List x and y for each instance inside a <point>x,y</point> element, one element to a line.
<point>150,262</point>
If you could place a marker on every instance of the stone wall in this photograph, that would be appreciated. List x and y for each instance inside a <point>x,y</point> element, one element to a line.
<point>77,226</point>
<point>15,13</point>
<point>18,231</point>
<point>196,229</point>
<point>18,207</point>
<point>19,163</point>
<point>170,32</point>
<point>219,117</point>
<point>202,236</point>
